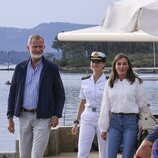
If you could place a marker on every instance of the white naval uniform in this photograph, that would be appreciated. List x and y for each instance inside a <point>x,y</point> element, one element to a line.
<point>92,92</point>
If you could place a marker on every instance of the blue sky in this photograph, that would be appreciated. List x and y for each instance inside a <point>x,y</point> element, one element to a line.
<point>30,13</point>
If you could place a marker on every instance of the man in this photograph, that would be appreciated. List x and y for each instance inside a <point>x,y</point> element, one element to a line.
<point>37,97</point>
<point>147,149</point>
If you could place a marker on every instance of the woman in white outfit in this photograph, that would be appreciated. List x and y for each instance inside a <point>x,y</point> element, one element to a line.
<point>91,92</point>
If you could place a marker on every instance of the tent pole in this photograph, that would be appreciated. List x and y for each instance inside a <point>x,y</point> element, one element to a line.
<point>154,54</point>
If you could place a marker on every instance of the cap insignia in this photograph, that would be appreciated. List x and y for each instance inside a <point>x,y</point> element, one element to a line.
<point>96,54</point>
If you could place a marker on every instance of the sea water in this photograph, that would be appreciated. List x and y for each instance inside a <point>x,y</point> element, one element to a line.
<point>71,83</point>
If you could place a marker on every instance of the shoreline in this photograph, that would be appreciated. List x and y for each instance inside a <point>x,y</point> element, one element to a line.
<point>106,70</point>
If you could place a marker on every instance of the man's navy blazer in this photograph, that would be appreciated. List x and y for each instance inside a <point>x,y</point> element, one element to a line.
<point>51,91</point>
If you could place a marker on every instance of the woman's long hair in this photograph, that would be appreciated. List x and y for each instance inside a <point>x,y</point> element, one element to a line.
<point>131,76</point>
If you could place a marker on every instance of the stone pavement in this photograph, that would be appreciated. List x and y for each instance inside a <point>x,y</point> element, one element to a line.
<point>74,155</point>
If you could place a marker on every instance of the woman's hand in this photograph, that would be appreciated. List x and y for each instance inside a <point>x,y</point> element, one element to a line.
<point>74,129</point>
<point>104,135</point>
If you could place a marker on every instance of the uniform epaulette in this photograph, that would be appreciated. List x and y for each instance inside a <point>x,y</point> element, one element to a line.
<point>86,77</point>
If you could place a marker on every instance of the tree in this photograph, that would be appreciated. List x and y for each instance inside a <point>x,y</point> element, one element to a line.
<point>77,53</point>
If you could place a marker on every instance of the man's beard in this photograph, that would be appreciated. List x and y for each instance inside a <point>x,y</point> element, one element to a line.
<point>36,56</point>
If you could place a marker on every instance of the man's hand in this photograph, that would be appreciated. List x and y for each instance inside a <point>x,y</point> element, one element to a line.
<point>144,151</point>
<point>54,121</point>
<point>11,128</point>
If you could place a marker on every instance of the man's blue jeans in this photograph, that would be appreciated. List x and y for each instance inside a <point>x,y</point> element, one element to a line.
<point>122,129</point>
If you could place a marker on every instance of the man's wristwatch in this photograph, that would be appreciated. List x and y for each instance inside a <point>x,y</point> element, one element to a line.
<point>76,121</point>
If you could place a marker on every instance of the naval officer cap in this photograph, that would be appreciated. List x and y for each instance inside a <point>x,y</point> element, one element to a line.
<point>99,56</point>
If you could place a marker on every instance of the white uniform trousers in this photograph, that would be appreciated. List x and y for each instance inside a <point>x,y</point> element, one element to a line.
<point>34,135</point>
<point>88,130</point>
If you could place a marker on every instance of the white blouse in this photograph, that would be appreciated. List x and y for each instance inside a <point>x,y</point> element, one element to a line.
<point>122,98</point>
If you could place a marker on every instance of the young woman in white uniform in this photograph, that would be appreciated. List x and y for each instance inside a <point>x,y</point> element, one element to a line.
<point>88,112</point>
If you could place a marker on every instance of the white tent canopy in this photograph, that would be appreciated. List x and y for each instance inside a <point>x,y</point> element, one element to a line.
<point>125,20</point>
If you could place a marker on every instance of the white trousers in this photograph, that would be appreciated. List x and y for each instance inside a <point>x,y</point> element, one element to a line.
<point>88,130</point>
<point>34,135</point>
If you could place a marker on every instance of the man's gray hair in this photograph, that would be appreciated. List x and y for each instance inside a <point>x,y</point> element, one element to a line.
<point>38,37</point>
